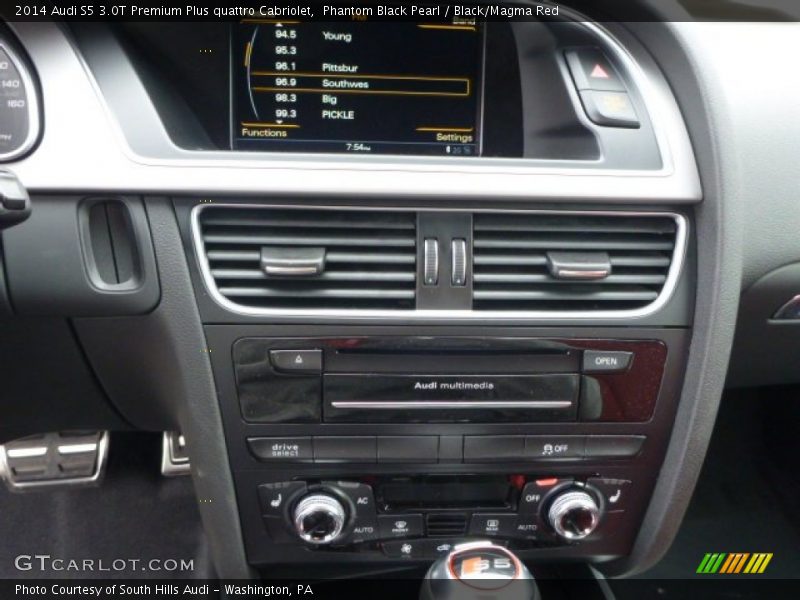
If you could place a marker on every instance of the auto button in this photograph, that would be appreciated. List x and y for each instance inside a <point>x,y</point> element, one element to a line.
<point>528,527</point>
<point>364,530</point>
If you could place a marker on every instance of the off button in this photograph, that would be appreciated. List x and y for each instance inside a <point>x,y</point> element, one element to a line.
<point>598,361</point>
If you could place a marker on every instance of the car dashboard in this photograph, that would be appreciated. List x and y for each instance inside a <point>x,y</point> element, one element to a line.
<point>398,284</point>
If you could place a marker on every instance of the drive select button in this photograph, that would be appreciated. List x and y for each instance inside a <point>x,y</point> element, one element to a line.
<point>281,449</point>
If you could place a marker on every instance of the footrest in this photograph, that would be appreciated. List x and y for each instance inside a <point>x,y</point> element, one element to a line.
<point>174,457</point>
<point>54,459</point>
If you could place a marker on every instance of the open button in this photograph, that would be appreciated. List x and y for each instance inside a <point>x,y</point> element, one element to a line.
<point>598,361</point>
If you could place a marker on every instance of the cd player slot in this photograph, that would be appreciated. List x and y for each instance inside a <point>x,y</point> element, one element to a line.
<point>450,356</point>
<point>449,352</point>
<point>412,398</point>
<point>447,363</point>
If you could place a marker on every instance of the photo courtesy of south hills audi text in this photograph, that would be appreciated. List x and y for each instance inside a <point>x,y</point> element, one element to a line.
<point>163,590</point>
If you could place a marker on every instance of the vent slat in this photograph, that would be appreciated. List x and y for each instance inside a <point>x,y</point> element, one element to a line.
<point>626,279</point>
<point>233,255</point>
<point>573,224</point>
<point>541,259</point>
<point>330,257</point>
<point>370,259</point>
<point>640,261</point>
<point>306,240</point>
<point>353,221</point>
<point>574,243</point>
<point>551,295</point>
<point>360,257</point>
<point>257,274</point>
<point>510,261</point>
<point>356,293</point>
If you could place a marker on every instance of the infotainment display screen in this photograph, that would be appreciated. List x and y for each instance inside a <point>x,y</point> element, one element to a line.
<point>358,87</point>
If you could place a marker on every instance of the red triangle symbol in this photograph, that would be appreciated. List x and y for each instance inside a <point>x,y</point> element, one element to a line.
<point>599,72</point>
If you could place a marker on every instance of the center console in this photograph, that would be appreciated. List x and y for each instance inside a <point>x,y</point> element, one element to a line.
<point>396,447</point>
<point>395,381</point>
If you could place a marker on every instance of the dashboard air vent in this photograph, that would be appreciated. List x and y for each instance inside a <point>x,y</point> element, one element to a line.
<point>296,259</point>
<point>564,262</point>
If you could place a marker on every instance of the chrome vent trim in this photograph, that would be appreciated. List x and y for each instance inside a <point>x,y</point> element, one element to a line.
<point>673,276</point>
<point>510,259</point>
<point>369,257</point>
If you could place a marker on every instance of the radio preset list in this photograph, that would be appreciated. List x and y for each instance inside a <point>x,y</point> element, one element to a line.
<point>353,87</point>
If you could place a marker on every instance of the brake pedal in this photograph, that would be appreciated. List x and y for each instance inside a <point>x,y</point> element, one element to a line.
<point>50,460</point>
<point>174,456</point>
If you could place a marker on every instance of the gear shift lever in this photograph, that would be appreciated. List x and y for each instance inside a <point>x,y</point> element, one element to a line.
<point>479,571</point>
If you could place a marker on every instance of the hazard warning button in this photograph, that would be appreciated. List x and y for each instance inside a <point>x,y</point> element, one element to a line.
<point>592,70</point>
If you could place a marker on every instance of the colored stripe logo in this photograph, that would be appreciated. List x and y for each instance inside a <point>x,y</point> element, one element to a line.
<point>734,563</point>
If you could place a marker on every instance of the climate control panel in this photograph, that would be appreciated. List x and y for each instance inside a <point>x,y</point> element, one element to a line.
<point>423,516</point>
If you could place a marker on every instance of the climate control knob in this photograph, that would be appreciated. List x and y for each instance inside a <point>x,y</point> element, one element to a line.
<point>319,518</point>
<point>574,515</point>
